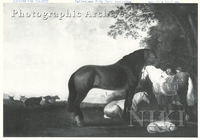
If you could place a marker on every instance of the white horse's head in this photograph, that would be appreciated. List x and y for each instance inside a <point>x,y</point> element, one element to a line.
<point>152,72</point>
<point>141,96</point>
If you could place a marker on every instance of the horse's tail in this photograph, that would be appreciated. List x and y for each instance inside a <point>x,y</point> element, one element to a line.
<point>190,93</point>
<point>72,94</point>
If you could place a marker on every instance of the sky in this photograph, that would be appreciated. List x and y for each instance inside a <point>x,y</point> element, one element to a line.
<point>40,53</point>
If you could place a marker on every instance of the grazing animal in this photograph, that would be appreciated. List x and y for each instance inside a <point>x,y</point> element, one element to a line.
<point>34,101</point>
<point>180,84</point>
<point>161,126</point>
<point>122,75</point>
<point>23,98</point>
<point>46,99</point>
<point>11,98</point>
<point>53,99</point>
<point>115,108</point>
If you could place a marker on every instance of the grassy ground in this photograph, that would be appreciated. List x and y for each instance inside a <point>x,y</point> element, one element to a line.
<point>55,121</point>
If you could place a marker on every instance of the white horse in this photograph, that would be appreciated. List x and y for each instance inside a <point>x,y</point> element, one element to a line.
<point>115,108</point>
<point>179,87</point>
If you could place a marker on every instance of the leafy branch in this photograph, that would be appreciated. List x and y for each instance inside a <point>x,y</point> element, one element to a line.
<point>130,19</point>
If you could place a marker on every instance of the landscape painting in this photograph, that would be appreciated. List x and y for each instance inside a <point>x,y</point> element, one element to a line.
<point>100,69</point>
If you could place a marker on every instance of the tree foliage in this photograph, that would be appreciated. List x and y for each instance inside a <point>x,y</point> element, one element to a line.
<point>130,20</point>
<point>173,38</point>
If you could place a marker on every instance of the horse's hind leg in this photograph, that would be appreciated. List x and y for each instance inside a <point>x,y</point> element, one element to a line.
<point>182,93</point>
<point>190,111</point>
<point>185,106</point>
<point>78,111</point>
<point>161,104</point>
<point>79,117</point>
<point>83,82</point>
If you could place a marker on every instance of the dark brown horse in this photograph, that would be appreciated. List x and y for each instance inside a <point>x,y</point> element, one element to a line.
<point>122,75</point>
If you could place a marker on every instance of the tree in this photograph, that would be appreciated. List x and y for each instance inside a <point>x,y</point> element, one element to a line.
<point>131,18</point>
<point>174,38</point>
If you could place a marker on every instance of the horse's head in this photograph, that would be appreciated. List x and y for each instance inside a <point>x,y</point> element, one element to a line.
<point>141,96</point>
<point>145,97</point>
<point>46,98</point>
<point>150,57</point>
<point>11,97</point>
<point>56,97</point>
<point>22,97</point>
<point>151,72</point>
<point>39,98</point>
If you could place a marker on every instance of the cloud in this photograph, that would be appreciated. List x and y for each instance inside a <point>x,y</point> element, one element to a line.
<point>40,55</point>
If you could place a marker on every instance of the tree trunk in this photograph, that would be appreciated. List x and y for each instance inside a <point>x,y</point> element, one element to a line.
<point>193,27</point>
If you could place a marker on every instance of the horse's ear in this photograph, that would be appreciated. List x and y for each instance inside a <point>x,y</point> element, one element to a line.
<point>145,93</point>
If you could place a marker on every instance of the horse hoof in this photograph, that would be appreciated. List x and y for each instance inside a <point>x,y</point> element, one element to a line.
<point>78,121</point>
<point>106,117</point>
<point>187,117</point>
<point>80,125</point>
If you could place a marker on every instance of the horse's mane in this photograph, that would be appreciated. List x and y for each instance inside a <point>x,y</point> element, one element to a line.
<point>134,57</point>
<point>134,61</point>
<point>134,54</point>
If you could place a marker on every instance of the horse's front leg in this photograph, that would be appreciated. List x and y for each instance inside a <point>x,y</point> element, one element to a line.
<point>161,104</point>
<point>169,108</point>
<point>128,102</point>
<point>183,97</point>
<point>187,114</point>
<point>126,106</point>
